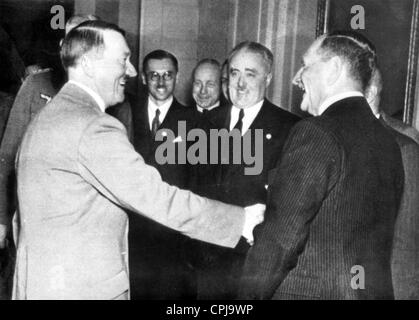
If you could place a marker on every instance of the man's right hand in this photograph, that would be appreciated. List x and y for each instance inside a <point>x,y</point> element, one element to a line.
<point>254,215</point>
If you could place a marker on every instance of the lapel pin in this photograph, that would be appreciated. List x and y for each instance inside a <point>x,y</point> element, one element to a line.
<point>268,136</point>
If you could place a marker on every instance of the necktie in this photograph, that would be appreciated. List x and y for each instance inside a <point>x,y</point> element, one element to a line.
<point>156,123</point>
<point>205,112</point>
<point>239,124</point>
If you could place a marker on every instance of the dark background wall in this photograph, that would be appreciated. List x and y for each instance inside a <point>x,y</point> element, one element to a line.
<point>387,25</point>
<point>195,29</point>
<point>28,24</point>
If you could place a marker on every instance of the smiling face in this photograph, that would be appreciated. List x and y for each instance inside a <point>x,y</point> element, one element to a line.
<point>248,78</point>
<point>206,85</point>
<point>160,78</point>
<point>312,79</point>
<point>113,68</point>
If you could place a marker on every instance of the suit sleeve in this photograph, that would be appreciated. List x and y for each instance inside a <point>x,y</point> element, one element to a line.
<point>17,123</point>
<point>305,174</point>
<point>109,163</point>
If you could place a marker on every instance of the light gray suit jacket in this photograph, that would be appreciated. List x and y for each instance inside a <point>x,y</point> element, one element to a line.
<point>405,255</point>
<point>76,171</point>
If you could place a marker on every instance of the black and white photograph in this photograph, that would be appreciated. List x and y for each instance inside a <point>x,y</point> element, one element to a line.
<point>209,153</point>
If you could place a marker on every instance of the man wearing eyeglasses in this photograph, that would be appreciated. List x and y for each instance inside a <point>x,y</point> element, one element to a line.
<point>165,275</point>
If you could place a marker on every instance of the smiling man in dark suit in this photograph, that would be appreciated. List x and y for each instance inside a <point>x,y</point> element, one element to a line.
<point>334,195</point>
<point>250,73</point>
<point>166,275</point>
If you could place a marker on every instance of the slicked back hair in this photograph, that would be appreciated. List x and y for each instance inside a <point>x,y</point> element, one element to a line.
<point>160,55</point>
<point>257,48</point>
<point>85,37</point>
<point>355,49</point>
<point>77,19</point>
<point>209,61</point>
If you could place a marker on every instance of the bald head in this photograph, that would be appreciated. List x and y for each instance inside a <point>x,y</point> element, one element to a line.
<point>206,83</point>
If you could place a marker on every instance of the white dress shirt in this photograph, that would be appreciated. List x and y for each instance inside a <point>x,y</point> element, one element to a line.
<point>250,114</point>
<point>337,97</point>
<point>98,99</point>
<point>152,107</point>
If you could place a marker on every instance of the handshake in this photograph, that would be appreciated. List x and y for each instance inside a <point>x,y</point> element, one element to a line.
<point>254,215</point>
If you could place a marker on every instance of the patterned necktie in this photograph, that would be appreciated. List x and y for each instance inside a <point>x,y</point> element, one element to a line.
<point>156,123</point>
<point>239,124</point>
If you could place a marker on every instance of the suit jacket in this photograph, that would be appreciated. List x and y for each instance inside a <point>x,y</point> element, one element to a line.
<point>204,174</point>
<point>405,256</point>
<point>165,273</point>
<point>6,101</point>
<point>401,127</point>
<point>229,183</point>
<point>332,204</point>
<point>72,189</point>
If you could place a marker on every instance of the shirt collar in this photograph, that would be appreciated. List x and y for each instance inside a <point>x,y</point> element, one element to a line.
<point>98,99</point>
<point>250,114</point>
<point>210,108</point>
<point>337,97</point>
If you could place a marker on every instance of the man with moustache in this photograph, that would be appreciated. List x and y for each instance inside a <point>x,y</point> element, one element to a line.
<point>164,274</point>
<point>74,185</point>
<point>334,195</point>
<point>250,73</point>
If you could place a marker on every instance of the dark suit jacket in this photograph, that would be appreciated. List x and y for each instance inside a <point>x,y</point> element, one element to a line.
<point>332,203</point>
<point>164,274</point>
<point>27,103</point>
<point>230,184</point>
<point>405,257</point>
<point>144,143</point>
<point>401,127</point>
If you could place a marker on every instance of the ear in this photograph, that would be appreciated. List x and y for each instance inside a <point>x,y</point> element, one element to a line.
<point>371,94</point>
<point>268,79</point>
<point>143,76</point>
<point>335,67</point>
<point>87,65</point>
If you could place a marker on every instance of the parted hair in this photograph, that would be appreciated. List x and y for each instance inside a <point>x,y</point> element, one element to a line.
<point>356,50</point>
<point>257,48</point>
<point>160,55</point>
<point>85,37</point>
